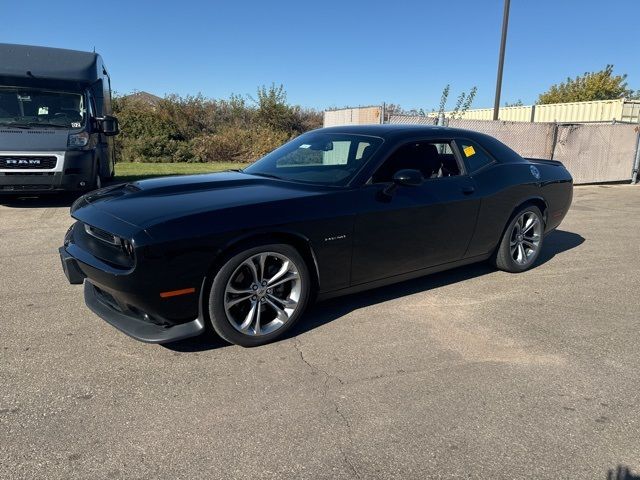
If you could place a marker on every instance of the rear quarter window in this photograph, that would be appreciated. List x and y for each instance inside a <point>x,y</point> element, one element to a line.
<point>475,156</point>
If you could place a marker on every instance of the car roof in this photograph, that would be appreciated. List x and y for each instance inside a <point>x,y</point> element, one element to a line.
<point>400,130</point>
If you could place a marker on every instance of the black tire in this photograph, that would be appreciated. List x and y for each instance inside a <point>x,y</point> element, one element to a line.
<point>220,321</point>
<point>504,258</point>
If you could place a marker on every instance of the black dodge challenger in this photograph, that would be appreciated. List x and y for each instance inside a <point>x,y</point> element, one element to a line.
<point>334,211</point>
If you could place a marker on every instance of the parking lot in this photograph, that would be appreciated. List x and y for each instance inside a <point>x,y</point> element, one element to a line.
<point>472,373</point>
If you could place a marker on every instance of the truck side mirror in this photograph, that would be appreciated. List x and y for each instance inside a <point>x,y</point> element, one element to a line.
<point>108,125</point>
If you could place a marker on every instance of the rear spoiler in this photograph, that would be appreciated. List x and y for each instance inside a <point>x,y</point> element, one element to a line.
<point>546,162</point>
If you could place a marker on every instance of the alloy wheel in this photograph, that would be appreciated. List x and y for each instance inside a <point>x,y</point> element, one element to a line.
<point>262,293</point>
<point>525,238</point>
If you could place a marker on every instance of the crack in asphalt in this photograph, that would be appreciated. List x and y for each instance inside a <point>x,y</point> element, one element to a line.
<point>343,418</point>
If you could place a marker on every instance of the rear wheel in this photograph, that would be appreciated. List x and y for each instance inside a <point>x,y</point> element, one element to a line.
<point>521,242</point>
<point>259,294</point>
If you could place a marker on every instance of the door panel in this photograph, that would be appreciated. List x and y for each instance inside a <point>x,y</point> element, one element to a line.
<point>417,227</point>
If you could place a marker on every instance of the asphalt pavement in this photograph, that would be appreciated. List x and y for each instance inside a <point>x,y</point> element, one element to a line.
<point>472,373</point>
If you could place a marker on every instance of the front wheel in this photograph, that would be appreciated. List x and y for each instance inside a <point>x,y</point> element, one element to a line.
<point>521,242</point>
<point>259,294</point>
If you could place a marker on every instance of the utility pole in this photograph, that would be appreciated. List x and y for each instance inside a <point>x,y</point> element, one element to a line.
<point>503,42</point>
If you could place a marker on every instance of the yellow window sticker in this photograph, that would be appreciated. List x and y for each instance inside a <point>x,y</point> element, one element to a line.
<point>469,151</point>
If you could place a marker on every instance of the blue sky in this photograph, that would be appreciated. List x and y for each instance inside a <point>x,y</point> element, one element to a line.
<point>338,53</point>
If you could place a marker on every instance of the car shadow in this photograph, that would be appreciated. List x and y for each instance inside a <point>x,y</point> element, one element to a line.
<point>325,312</point>
<point>51,200</point>
<point>622,472</point>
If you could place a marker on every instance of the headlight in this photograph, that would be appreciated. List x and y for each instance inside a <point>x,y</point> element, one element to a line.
<point>78,140</point>
<point>125,245</point>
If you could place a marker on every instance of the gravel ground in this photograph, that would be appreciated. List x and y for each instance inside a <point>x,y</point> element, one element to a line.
<point>472,373</point>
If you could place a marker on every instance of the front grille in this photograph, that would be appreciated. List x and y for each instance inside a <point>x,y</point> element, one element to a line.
<point>107,299</point>
<point>28,161</point>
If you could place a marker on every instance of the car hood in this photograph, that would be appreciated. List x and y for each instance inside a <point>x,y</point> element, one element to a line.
<point>151,202</point>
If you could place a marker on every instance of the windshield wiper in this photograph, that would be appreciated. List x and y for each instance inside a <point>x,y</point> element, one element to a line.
<point>32,124</point>
<point>40,124</point>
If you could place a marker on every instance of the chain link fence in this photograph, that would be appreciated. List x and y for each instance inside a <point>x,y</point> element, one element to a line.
<point>593,153</point>
<point>533,140</point>
<point>596,153</point>
<point>413,120</point>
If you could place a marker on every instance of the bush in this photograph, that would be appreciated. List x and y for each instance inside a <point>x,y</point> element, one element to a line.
<point>196,129</point>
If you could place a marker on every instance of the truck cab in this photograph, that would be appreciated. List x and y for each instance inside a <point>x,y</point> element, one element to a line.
<point>56,127</point>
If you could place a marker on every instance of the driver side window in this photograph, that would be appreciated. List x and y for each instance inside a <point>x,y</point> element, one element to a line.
<point>432,159</point>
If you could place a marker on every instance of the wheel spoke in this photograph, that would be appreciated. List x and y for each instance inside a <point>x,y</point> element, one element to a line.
<point>533,223</point>
<point>248,320</point>
<point>235,301</point>
<point>238,291</point>
<point>257,326</point>
<point>261,261</point>
<point>286,303</point>
<point>292,276</point>
<point>252,267</point>
<point>283,270</point>
<point>529,244</point>
<point>521,254</point>
<point>280,313</point>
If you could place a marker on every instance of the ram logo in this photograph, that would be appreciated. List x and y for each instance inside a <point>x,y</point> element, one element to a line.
<point>23,161</point>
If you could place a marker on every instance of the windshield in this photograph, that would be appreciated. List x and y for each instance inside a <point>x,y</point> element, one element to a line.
<point>33,108</point>
<point>319,158</point>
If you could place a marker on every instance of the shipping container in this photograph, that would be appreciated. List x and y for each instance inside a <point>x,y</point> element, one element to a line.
<point>620,110</point>
<point>353,116</point>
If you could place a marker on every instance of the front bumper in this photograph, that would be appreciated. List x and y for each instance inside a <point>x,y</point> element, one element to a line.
<point>137,327</point>
<point>126,318</point>
<point>74,169</point>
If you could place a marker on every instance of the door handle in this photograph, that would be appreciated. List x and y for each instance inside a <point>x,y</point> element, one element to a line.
<point>468,190</point>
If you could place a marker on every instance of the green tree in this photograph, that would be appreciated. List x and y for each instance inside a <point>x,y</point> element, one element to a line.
<point>601,85</point>
<point>463,103</point>
<point>272,108</point>
<point>200,129</point>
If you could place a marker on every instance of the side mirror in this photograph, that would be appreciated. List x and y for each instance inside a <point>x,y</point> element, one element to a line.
<point>407,178</point>
<point>108,125</point>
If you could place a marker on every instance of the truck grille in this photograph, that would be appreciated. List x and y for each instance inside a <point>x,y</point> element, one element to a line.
<point>27,162</point>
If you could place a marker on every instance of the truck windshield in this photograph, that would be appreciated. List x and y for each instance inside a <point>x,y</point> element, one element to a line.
<point>41,108</point>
